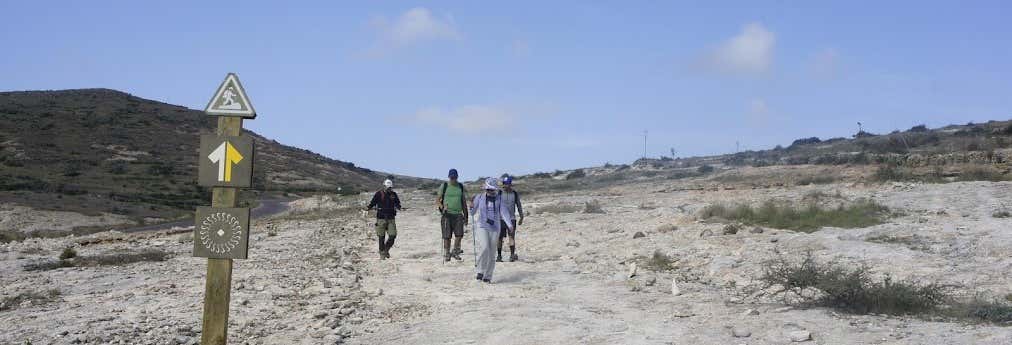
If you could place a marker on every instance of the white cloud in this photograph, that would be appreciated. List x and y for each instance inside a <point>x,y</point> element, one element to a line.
<point>825,63</point>
<point>749,52</point>
<point>470,119</point>
<point>417,25</point>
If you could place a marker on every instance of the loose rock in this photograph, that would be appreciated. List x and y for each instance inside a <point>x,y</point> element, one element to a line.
<point>800,336</point>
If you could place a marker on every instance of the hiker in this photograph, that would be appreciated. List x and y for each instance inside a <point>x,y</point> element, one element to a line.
<point>387,204</point>
<point>491,212</point>
<point>511,201</point>
<point>452,201</point>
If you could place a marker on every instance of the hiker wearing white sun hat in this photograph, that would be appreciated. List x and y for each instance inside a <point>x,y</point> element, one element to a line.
<point>491,213</point>
<point>387,203</point>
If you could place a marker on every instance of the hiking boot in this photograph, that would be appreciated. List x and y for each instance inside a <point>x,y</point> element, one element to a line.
<point>446,258</point>
<point>498,258</point>
<point>488,281</point>
<point>514,258</point>
<point>457,256</point>
<point>478,277</point>
<point>458,251</point>
<point>386,254</point>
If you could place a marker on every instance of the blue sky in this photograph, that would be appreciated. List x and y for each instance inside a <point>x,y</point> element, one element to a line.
<point>416,88</point>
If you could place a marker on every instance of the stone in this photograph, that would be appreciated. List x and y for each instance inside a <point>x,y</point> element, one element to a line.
<point>683,312</point>
<point>320,315</point>
<point>739,332</point>
<point>731,229</point>
<point>750,312</point>
<point>706,233</point>
<point>674,288</point>
<point>651,281</point>
<point>800,336</point>
<point>639,234</point>
<point>774,240</point>
<point>574,244</point>
<point>756,230</point>
<point>632,270</point>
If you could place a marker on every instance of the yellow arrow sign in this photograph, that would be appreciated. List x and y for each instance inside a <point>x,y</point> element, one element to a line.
<point>225,156</point>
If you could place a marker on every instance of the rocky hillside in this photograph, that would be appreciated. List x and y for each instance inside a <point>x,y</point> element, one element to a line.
<point>969,152</point>
<point>980,143</point>
<point>103,151</point>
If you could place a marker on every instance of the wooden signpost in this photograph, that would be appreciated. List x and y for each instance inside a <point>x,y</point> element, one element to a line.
<point>221,232</point>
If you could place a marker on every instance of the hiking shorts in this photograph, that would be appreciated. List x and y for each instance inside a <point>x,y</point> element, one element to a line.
<point>505,230</point>
<point>386,227</point>
<point>453,225</point>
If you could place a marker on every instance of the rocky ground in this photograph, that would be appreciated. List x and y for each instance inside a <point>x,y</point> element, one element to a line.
<point>314,277</point>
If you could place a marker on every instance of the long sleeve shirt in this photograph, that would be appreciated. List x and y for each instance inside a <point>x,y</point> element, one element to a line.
<point>387,204</point>
<point>490,211</point>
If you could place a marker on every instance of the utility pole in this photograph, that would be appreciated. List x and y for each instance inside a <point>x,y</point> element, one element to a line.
<point>644,143</point>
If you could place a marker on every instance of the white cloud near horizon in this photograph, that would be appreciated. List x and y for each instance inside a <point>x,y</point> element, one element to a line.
<point>750,52</point>
<point>468,119</point>
<point>415,26</point>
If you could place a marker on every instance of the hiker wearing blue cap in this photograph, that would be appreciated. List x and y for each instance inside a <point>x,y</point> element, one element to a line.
<point>452,201</point>
<point>511,200</point>
<point>491,212</point>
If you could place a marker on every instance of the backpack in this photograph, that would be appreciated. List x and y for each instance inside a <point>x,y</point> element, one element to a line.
<point>463,194</point>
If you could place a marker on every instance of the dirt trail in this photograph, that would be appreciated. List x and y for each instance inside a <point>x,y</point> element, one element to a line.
<point>571,285</point>
<point>538,300</point>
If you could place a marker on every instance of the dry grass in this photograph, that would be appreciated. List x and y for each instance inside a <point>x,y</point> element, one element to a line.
<point>860,214</point>
<point>851,290</point>
<point>658,262</point>
<point>13,302</point>
<point>593,207</point>
<point>114,259</point>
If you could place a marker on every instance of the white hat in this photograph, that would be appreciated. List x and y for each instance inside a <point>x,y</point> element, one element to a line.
<point>491,183</point>
<point>388,184</point>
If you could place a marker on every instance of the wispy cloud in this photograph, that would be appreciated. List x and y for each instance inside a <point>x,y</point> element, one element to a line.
<point>469,119</point>
<point>417,25</point>
<point>750,52</point>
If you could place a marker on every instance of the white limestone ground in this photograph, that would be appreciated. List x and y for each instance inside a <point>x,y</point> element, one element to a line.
<point>17,218</point>
<point>320,281</point>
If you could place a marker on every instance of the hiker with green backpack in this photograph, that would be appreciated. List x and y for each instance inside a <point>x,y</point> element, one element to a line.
<point>452,203</point>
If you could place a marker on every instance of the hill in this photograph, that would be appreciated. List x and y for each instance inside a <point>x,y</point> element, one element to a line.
<point>972,151</point>
<point>99,151</point>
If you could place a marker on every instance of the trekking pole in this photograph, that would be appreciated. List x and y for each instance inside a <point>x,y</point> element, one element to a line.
<point>474,240</point>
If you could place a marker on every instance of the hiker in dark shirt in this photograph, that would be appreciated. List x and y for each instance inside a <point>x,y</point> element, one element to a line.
<point>387,203</point>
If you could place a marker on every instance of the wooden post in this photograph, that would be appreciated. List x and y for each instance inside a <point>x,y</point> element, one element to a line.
<point>217,291</point>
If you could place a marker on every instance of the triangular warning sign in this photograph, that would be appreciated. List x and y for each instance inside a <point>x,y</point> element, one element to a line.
<point>231,100</point>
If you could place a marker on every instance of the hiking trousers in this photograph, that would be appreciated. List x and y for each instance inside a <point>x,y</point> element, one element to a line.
<point>487,242</point>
